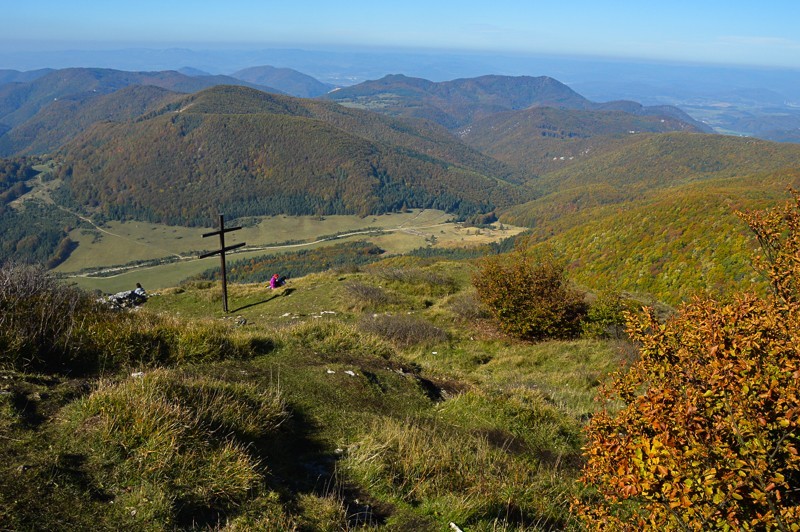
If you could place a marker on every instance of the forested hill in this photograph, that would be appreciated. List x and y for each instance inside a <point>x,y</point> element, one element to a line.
<point>245,152</point>
<point>542,139</point>
<point>457,103</point>
<point>657,215</point>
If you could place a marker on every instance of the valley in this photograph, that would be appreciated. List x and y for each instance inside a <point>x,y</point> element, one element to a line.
<point>492,282</point>
<point>120,254</point>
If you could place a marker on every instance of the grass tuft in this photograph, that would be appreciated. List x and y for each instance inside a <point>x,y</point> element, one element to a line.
<point>186,438</point>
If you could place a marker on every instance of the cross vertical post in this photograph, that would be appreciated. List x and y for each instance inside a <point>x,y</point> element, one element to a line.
<point>221,252</point>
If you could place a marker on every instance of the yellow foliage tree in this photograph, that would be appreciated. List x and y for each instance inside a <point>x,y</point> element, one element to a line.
<point>529,294</point>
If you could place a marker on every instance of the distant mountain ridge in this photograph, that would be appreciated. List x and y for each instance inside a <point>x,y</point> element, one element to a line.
<point>457,103</point>
<point>34,117</point>
<point>542,139</point>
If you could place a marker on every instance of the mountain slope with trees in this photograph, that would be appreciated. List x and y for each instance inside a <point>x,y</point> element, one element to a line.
<point>542,139</point>
<point>64,119</point>
<point>21,101</point>
<point>656,215</point>
<point>246,152</point>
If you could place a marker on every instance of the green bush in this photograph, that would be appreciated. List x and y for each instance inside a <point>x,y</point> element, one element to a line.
<point>529,295</point>
<point>606,316</point>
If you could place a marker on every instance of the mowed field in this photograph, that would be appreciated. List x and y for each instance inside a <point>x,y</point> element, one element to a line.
<point>119,244</point>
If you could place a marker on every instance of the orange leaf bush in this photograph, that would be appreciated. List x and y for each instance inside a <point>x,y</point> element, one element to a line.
<point>702,433</point>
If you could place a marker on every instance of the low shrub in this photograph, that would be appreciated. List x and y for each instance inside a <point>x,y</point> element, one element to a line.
<point>48,326</point>
<point>605,317</point>
<point>40,320</point>
<point>367,296</point>
<point>467,307</point>
<point>403,330</point>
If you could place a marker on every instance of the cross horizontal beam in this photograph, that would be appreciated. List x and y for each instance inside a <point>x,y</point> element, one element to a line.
<point>223,250</point>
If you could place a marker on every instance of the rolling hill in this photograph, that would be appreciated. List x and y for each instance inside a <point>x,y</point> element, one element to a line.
<point>245,152</point>
<point>289,81</point>
<point>657,215</point>
<point>542,139</point>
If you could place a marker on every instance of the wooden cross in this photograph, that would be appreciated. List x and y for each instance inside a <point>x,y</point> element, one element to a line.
<point>221,252</point>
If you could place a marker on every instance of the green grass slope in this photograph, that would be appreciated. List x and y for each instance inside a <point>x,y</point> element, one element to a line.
<point>374,400</point>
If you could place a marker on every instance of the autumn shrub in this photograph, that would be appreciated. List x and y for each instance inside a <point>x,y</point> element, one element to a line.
<point>529,295</point>
<point>703,431</point>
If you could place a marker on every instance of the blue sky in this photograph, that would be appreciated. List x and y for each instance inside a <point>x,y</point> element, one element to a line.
<point>733,31</point>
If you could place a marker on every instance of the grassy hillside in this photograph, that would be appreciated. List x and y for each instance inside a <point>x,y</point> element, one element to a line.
<point>244,152</point>
<point>378,400</point>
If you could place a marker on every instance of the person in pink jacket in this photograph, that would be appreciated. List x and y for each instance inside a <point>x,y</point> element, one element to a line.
<point>276,282</point>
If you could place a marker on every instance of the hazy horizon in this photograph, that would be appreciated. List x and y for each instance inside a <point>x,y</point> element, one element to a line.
<point>707,32</point>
